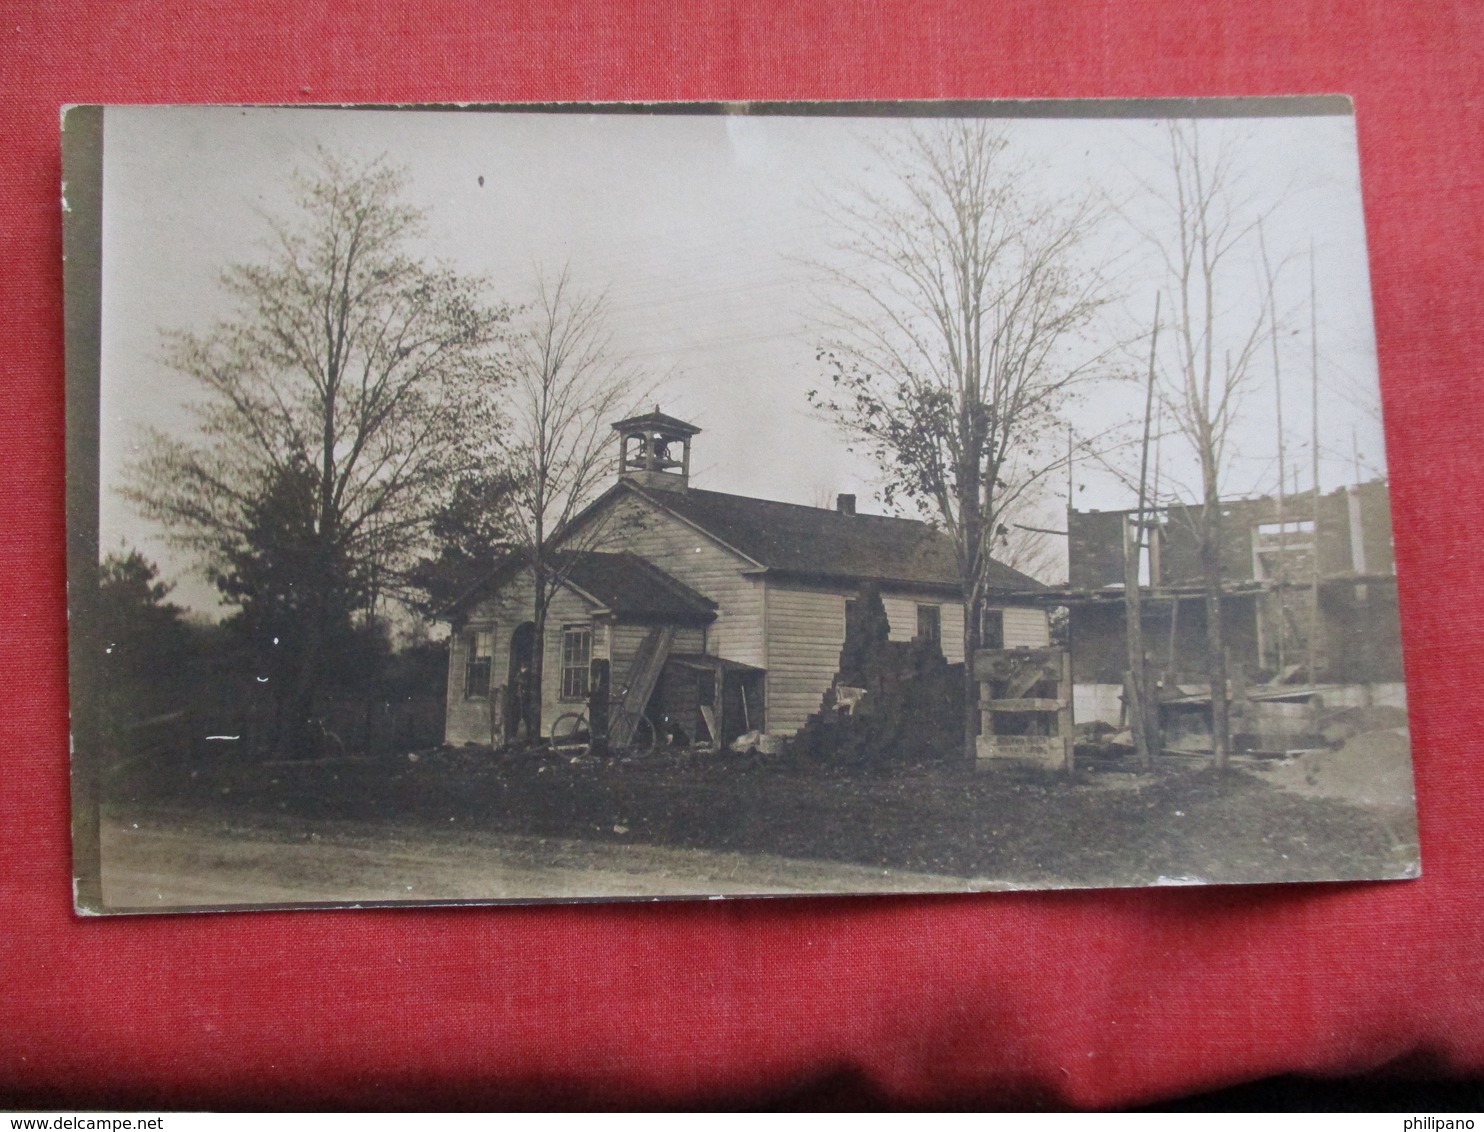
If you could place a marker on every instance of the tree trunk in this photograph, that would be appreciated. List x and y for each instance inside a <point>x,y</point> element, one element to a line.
<point>300,741</point>
<point>295,739</point>
<point>1215,637</point>
<point>535,684</point>
<point>973,613</point>
<point>971,527</point>
<point>531,708</point>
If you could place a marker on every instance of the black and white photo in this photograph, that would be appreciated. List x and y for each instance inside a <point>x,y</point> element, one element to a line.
<point>604,502</point>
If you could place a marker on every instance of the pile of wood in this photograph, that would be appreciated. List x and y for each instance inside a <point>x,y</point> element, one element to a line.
<point>892,703</point>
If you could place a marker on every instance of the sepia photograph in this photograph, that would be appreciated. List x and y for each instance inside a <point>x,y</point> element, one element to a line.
<point>575,502</point>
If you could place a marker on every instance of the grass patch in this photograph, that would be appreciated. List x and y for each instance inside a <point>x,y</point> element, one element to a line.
<point>1005,826</point>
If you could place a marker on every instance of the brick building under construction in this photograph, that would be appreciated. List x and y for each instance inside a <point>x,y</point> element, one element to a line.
<point>1302,584</point>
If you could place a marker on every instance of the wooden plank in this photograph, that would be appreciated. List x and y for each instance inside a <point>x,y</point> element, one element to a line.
<point>1008,744</point>
<point>642,679</point>
<point>1048,752</point>
<point>1031,704</point>
<point>1001,664</point>
<point>1023,680</point>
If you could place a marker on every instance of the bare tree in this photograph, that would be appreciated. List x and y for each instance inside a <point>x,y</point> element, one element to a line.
<point>1209,243</point>
<point>959,341</point>
<point>570,385</point>
<point>1031,537</point>
<point>1034,552</point>
<point>340,402</point>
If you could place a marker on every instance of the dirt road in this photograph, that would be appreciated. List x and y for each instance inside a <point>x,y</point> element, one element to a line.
<point>158,860</point>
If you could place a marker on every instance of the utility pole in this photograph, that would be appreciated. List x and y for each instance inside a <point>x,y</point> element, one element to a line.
<point>1282,579</point>
<point>1136,684</point>
<point>1314,409</point>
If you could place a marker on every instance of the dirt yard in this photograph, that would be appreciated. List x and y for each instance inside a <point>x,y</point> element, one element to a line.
<point>173,860</point>
<point>455,824</point>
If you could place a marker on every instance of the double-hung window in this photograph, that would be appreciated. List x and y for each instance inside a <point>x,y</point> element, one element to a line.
<point>930,624</point>
<point>577,655</point>
<point>479,651</point>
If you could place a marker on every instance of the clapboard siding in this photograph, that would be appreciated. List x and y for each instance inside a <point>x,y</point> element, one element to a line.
<point>479,720</point>
<point>1026,629</point>
<point>901,613</point>
<point>566,609</point>
<point>684,553</point>
<point>627,640</point>
<point>806,628</point>
<point>953,632</point>
<point>467,721</point>
<point>513,606</point>
<point>805,631</point>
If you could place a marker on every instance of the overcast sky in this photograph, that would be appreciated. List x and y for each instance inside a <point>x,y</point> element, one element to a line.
<point>701,229</point>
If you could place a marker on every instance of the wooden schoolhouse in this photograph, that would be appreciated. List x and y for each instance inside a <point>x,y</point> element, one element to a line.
<point>718,614</point>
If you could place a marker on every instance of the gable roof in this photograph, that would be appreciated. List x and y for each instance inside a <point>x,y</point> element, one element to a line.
<point>633,588</point>
<point>786,538</point>
<point>793,539</point>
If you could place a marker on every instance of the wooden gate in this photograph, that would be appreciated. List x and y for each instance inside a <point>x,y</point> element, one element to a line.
<point>1025,706</point>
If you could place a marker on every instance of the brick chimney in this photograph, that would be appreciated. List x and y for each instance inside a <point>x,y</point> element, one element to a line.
<point>845,504</point>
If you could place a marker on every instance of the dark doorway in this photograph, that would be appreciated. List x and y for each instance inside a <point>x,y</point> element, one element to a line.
<point>742,703</point>
<point>519,693</point>
<point>992,629</point>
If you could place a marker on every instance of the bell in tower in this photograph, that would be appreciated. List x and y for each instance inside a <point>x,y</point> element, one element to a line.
<point>654,450</point>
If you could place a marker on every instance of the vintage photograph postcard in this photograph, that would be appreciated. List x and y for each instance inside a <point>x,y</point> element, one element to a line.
<point>623,502</point>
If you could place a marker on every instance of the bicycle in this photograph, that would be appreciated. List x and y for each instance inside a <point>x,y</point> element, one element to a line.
<point>571,729</point>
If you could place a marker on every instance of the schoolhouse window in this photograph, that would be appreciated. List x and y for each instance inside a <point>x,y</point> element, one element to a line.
<point>577,655</point>
<point>992,629</point>
<point>930,624</point>
<point>479,651</point>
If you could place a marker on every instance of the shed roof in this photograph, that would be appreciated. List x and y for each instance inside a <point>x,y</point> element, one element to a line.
<point>630,587</point>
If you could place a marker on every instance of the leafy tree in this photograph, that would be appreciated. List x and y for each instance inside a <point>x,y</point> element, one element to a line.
<point>963,305</point>
<point>342,402</point>
<point>470,531</point>
<point>290,594</point>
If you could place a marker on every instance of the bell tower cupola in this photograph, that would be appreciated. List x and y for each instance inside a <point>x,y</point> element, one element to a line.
<point>654,450</point>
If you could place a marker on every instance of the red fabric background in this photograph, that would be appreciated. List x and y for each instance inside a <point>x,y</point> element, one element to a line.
<point>1066,999</point>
